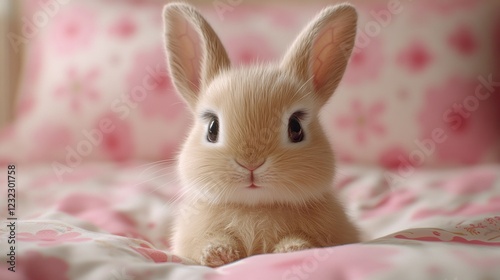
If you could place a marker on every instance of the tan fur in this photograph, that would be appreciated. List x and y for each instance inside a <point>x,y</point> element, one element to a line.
<point>294,208</point>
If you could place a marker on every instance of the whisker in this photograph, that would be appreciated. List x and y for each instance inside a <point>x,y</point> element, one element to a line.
<point>154,178</point>
<point>155,164</point>
<point>164,170</point>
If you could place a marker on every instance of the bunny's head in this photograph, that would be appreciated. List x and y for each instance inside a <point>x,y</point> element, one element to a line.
<point>256,137</point>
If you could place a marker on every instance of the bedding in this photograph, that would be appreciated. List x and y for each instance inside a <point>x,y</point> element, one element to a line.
<point>112,221</point>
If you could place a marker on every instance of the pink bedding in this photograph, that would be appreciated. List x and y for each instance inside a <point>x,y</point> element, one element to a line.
<point>111,221</point>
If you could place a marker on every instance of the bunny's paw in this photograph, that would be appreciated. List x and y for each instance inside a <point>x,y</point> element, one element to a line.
<point>291,244</point>
<point>215,255</point>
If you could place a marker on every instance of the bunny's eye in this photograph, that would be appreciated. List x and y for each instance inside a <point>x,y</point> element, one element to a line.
<point>213,130</point>
<point>295,132</point>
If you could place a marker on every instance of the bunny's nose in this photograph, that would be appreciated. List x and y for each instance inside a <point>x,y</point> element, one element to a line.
<point>251,166</point>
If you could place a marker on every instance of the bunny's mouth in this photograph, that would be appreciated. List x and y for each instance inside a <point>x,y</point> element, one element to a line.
<point>253,186</point>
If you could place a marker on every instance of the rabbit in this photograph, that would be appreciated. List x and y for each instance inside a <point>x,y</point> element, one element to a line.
<point>256,166</point>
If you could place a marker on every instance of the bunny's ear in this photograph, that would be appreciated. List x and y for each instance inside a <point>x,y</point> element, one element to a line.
<point>195,54</point>
<point>321,51</point>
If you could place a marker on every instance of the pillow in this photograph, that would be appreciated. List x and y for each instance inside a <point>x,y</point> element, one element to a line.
<point>421,88</point>
<point>95,84</point>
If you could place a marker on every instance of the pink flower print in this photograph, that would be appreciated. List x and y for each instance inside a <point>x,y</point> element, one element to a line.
<point>366,61</point>
<point>474,229</point>
<point>155,255</point>
<point>392,157</point>
<point>117,143</point>
<point>469,134</point>
<point>491,221</point>
<point>124,28</point>
<point>78,87</point>
<point>37,266</point>
<point>473,182</point>
<point>73,29</point>
<point>98,210</point>
<point>468,209</point>
<point>151,88</point>
<point>250,48</point>
<point>416,57</point>
<point>457,239</point>
<point>363,120</point>
<point>51,237</point>
<point>392,202</point>
<point>462,39</point>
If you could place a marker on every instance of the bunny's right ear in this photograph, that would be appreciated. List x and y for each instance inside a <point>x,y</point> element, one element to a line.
<point>195,54</point>
<point>321,51</point>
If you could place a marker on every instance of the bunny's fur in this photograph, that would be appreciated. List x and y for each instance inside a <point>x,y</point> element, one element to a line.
<point>293,207</point>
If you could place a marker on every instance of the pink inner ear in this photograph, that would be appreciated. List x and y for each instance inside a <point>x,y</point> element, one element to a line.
<point>322,56</point>
<point>190,53</point>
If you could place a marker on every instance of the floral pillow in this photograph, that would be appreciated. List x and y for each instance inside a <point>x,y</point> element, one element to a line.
<point>421,88</point>
<point>95,85</point>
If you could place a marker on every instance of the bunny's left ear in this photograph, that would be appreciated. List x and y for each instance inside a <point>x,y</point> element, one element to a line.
<point>194,52</point>
<point>321,51</point>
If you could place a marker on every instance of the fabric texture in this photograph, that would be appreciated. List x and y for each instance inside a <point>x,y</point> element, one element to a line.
<point>112,221</point>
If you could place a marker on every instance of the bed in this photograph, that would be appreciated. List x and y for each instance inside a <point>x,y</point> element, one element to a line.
<point>420,179</point>
<point>112,221</point>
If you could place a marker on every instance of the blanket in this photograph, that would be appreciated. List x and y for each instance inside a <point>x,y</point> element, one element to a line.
<point>113,221</point>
